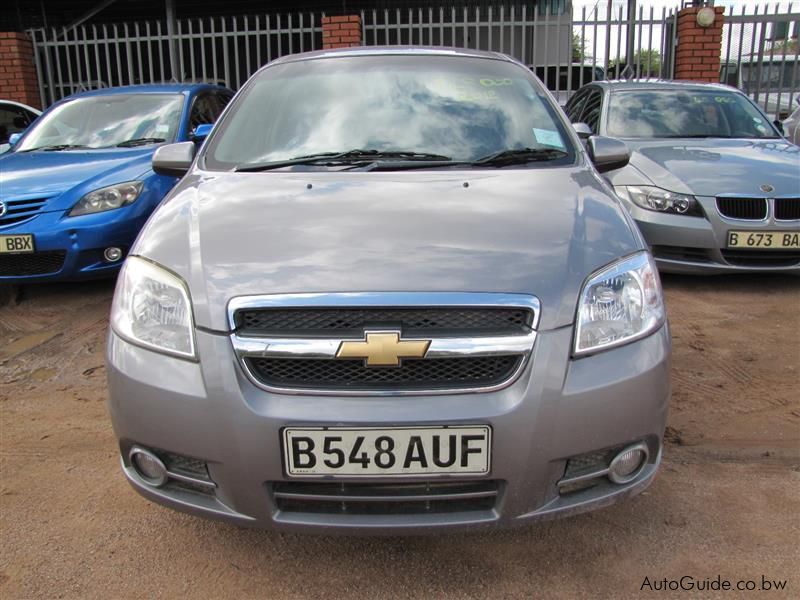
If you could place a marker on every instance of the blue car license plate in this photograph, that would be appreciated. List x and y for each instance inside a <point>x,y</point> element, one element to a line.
<point>16,244</point>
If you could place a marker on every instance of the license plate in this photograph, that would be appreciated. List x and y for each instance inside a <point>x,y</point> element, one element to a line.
<point>764,240</point>
<point>387,452</point>
<point>16,244</point>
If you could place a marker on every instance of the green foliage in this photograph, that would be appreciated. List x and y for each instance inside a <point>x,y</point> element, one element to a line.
<point>649,62</point>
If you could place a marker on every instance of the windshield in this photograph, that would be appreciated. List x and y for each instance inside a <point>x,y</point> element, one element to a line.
<point>442,107</point>
<point>106,121</point>
<point>685,113</point>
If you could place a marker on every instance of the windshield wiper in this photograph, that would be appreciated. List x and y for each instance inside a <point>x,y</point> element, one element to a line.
<point>696,136</point>
<point>519,156</point>
<point>349,157</point>
<point>56,147</point>
<point>140,142</point>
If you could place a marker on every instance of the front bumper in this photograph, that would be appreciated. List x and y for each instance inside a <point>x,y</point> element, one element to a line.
<point>557,409</point>
<point>80,240</point>
<point>697,245</point>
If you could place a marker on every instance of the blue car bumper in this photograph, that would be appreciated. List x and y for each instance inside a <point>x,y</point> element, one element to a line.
<point>71,248</point>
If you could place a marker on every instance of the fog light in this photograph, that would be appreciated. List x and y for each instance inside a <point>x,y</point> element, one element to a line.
<point>112,254</point>
<point>627,465</point>
<point>148,466</point>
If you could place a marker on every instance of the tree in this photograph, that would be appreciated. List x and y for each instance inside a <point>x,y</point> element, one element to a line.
<point>578,48</point>
<point>646,63</point>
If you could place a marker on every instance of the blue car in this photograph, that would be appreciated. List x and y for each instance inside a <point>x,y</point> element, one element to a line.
<point>77,186</point>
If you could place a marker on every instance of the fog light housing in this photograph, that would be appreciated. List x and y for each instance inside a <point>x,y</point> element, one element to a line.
<point>628,464</point>
<point>148,467</point>
<point>112,254</point>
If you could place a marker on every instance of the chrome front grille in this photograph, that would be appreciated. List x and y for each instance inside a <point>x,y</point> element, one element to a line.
<point>18,211</point>
<point>324,343</point>
<point>746,209</point>
<point>355,498</point>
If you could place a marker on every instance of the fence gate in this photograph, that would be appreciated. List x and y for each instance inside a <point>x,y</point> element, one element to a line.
<point>225,50</point>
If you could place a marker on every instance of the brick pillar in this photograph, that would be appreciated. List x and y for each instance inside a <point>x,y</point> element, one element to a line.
<point>17,69</point>
<point>698,51</point>
<point>341,32</point>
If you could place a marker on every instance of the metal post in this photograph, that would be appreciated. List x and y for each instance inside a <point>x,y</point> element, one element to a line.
<point>175,70</point>
<point>631,45</point>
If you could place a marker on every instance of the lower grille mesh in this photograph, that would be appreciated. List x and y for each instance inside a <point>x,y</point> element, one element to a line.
<point>385,498</point>
<point>762,258</point>
<point>36,263</point>
<point>429,373</point>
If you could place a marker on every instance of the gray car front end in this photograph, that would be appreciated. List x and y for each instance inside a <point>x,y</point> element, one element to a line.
<point>717,200</point>
<point>389,349</point>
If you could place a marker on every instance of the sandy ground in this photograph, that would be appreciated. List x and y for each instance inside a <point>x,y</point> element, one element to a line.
<point>727,501</point>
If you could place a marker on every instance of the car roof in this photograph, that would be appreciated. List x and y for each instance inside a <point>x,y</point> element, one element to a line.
<point>616,85</point>
<point>391,50</point>
<point>151,88</point>
<point>20,105</point>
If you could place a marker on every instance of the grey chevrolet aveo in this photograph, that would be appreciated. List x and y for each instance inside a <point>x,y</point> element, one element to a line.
<point>711,183</point>
<point>390,294</point>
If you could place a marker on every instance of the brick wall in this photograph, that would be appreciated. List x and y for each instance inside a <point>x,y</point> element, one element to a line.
<point>17,69</point>
<point>698,51</point>
<point>341,32</point>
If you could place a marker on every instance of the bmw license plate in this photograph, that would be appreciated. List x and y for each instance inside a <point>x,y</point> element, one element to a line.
<point>16,244</point>
<point>764,240</point>
<point>387,451</point>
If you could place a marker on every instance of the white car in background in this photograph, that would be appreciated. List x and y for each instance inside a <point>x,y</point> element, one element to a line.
<point>791,126</point>
<point>15,117</point>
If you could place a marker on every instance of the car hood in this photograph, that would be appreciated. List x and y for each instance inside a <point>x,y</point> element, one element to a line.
<point>531,231</point>
<point>49,174</point>
<point>710,167</point>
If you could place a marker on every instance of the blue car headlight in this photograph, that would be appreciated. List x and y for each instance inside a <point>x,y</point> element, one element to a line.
<point>108,198</point>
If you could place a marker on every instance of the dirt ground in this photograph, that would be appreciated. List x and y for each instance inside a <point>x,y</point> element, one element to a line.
<point>727,500</point>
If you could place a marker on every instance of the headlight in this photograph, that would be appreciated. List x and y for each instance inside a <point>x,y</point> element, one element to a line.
<point>151,308</point>
<point>653,198</point>
<point>619,304</point>
<point>107,198</point>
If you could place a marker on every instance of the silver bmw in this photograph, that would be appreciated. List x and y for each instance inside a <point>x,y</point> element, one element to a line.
<point>712,184</point>
<point>391,293</point>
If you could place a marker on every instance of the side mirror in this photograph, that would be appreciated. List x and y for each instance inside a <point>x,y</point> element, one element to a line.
<point>583,130</point>
<point>14,138</point>
<point>607,153</point>
<point>201,131</point>
<point>779,126</point>
<point>174,159</point>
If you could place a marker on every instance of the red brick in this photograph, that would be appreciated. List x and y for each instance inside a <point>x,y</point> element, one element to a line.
<point>333,40</point>
<point>350,26</point>
<point>331,27</point>
<point>350,38</point>
<point>340,19</point>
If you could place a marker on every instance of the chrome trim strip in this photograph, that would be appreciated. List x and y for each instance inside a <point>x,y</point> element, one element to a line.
<point>327,347</point>
<point>187,479</point>
<point>384,299</point>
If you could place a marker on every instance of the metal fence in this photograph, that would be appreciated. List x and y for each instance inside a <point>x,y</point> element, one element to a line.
<point>761,54</point>
<point>225,50</point>
<point>566,48</point>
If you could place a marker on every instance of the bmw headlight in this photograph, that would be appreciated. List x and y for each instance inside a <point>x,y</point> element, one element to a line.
<point>107,198</point>
<point>653,198</point>
<point>619,304</point>
<point>152,308</point>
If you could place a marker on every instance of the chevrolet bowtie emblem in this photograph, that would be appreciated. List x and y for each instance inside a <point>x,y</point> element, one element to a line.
<point>383,349</point>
